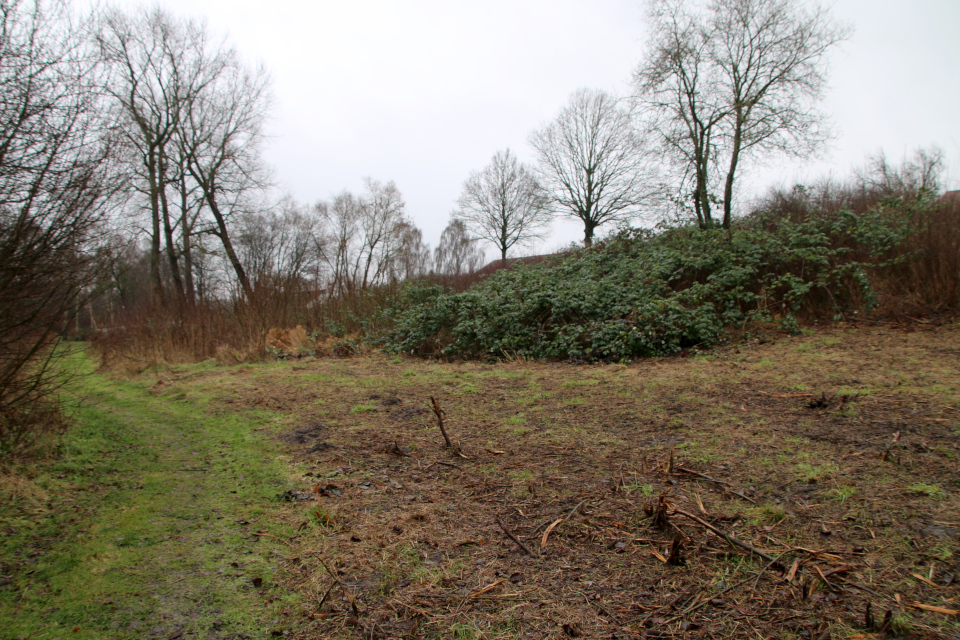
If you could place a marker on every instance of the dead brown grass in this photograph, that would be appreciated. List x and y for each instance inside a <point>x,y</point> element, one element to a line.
<point>856,497</point>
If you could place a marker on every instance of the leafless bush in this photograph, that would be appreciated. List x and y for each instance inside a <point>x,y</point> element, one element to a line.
<point>56,181</point>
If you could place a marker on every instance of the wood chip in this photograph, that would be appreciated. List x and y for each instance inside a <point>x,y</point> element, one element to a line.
<point>487,588</point>
<point>546,534</point>
<point>793,570</point>
<point>930,607</point>
<point>658,556</point>
<point>922,579</point>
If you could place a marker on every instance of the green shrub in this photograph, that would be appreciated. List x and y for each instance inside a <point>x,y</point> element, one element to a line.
<point>655,293</point>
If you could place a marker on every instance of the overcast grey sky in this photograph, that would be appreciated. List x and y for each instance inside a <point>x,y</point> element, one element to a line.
<point>424,91</point>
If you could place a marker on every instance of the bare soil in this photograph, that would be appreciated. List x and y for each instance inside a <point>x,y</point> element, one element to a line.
<point>833,456</point>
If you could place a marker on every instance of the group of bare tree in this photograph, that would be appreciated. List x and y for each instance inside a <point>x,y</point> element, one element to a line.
<point>56,186</point>
<point>347,244</point>
<point>368,241</point>
<point>721,82</point>
<point>190,113</point>
<point>728,81</point>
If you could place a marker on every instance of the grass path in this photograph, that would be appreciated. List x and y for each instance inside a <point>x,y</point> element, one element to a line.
<point>145,526</point>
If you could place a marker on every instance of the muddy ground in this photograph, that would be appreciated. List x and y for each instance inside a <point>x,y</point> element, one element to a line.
<point>787,487</point>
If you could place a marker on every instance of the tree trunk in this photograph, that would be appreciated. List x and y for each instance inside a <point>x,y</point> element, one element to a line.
<point>168,229</point>
<point>588,229</point>
<point>224,236</point>
<point>704,214</point>
<point>731,173</point>
<point>156,284</point>
<point>186,229</point>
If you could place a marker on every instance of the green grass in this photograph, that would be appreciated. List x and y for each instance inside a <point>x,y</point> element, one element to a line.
<point>766,514</point>
<point>842,494</point>
<point>363,408</point>
<point>139,530</point>
<point>811,473</point>
<point>929,490</point>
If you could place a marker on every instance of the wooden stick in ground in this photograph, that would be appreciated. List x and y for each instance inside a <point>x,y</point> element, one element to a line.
<point>730,539</point>
<point>517,540</point>
<point>437,410</point>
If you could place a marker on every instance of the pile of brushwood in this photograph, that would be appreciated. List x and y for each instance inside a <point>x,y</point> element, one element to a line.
<point>655,293</point>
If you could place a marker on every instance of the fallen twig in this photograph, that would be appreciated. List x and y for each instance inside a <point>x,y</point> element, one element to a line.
<point>349,596</point>
<point>487,588</point>
<point>767,568</point>
<point>863,588</point>
<point>517,540</point>
<point>728,538</point>
<point>574,510</point>
<point>930,607</point>
<point>659,609</point>
<point>412,608</point>
<point>720,482</point>
<point>702,603</point>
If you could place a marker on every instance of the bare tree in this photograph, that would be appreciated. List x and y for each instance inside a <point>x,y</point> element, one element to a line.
<point>193,115</point>
<point>413,254</point>
<point>382,214</point>
<point>277,247</point>
<point>916,178</point>
<point>220,137</point>
<point>144,53</point>
<point>458,253</point>
<point>748,75</point>
<point>593,161</point>
<point>504,204</point>
<point>336,242</point>
<point>367,241</point>
<point>57,177</point>
<point>678,88</point>
<point>771,57</point>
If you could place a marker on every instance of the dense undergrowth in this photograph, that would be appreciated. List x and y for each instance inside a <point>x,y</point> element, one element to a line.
<point>654,293</point>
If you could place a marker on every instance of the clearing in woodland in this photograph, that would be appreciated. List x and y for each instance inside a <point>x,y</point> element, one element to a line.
<point>799,487</point>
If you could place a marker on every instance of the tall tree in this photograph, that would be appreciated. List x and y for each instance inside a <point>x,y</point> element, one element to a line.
<point>593,161</point>
<point>336,242</point>
<point>220,139</point>
<point>382,214</point>
<point>679,90</point>
<point>142,53</point>
<point>504,204</point>
<point>192,113</point>
<point>760,66</point>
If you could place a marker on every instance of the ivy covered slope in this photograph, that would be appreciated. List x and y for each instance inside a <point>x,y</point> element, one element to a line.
<point>646,293</point>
